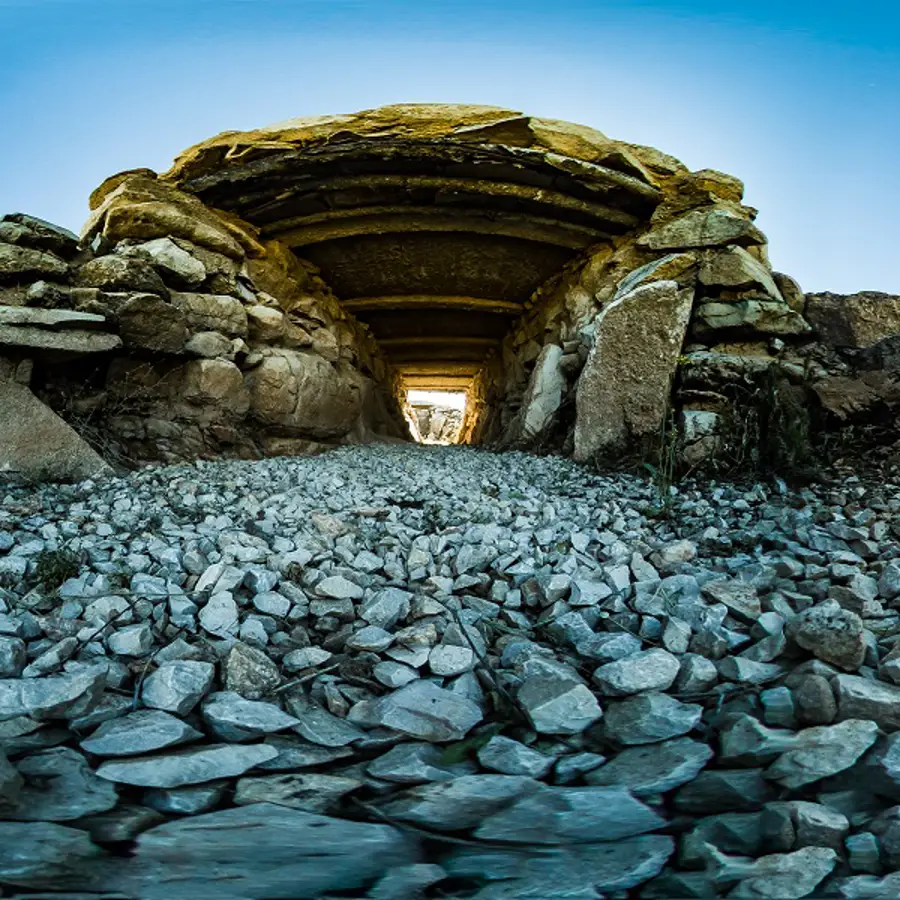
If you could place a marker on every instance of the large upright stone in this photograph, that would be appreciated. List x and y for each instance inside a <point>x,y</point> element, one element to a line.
<point>623,391</point>
<point>544,392</point>
<point>36,442</point>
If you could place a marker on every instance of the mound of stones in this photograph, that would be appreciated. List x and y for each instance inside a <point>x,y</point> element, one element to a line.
<point>398,673</point>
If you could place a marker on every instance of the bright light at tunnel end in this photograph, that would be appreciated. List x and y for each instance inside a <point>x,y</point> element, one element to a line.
<point>451,399</point>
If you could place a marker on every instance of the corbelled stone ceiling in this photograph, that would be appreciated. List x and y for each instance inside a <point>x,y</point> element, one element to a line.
<point>433,224</point>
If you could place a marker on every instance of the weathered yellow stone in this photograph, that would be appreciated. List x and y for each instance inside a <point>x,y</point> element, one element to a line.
<point>138,206</point>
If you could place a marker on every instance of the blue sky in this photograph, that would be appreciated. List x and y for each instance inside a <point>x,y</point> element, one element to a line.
<point>799,99</point>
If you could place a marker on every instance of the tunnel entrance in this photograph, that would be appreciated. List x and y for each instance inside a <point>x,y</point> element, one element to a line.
<point>306,276</point>
<point>433,225</point>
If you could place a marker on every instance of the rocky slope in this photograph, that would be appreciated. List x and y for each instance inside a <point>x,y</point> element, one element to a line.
<point>400,672</point>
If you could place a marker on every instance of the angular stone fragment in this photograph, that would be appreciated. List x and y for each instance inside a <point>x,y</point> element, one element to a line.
<point>746,741</point>
<point>448,660</point>
<point>219,616</point>
<point>649,670</point>
<point>782,876</point>
<point>386,607</point>
<point>460,803</point>
<point>704,228</point>
<point>59,786</point>
<point>814,825</point>
<point>863,698</point>
<point>624,387</point>
<point>724,790</point>
<point>233,718</point>
<point>509,757</point>
<point>739,596</point>
<point>734,267</point>
<point>307,658</point>
<point>648,718</point>
<point>606,646</point>
<point>544,392</point>
<point>178,686</point>
<point>171,260</point>
<point>294,854</point>
<point>653,769</point>
<point>13,658</point>
<point>558,705</point>
<point>249,672</point>
<point>566,815</point>
<point>114,273</point>
<point>42,855</point>
<point>738,833</point>
<point>30,231</point>
<point>339,588</point>
<point>187,801</point>
<point>748,671</point>
<point>18,263</point>
<point>318,725</point>
<point>193,766</point>
<point>813,701</point>
<point>869,887</point>
<point>820,752</point>
<point>833,634</point>
<point>422,710</point>
<point>139,732</point>
<point>771,317</point>
<point>311,792</point>
<point>133,640</point>
<point>413,764</point>
<point>36,442</point>
<point>577,871</point>
<point>52,697</point>
<point>394,674</point>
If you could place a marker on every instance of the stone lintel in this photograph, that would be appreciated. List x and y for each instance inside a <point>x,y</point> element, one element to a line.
<point>432,301</point>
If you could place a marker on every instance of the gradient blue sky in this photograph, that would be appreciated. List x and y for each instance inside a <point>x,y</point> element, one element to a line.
<point>801,99</point>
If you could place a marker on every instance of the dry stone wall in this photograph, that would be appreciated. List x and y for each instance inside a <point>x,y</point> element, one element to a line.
<point>682,321</point>
<point>171,332</point>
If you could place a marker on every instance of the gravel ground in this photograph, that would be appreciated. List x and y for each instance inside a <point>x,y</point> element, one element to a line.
<point>473,674</point>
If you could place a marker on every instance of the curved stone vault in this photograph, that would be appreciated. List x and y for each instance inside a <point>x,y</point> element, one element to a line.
<point>434,225</point>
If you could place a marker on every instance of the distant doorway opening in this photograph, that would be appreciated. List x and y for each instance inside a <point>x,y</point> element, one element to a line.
<point>437,416</point>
